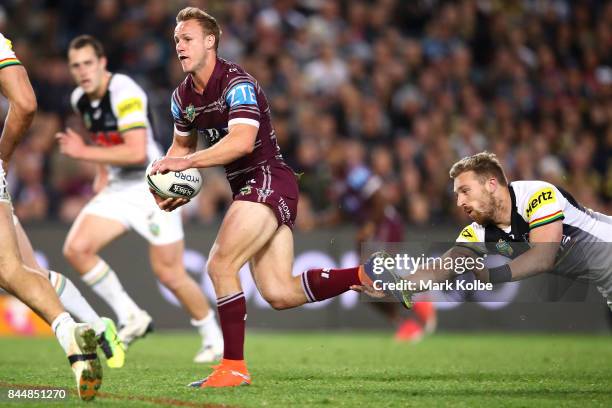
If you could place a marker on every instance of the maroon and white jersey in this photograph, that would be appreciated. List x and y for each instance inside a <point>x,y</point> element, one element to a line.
<point>232,96</point>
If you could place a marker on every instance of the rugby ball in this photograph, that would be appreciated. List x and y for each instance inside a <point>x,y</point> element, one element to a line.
<point>175,184</point>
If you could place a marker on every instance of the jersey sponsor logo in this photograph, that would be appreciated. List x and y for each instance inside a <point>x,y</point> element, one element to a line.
<point>284,211</point>
<point>190,112</point>
<point>241,94</point>
<point>129,105</point>
<point>468,234</point>
<point>106,139</point>
<point>541,198</point>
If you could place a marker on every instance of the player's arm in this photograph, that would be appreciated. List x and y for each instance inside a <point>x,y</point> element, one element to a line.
<point>132,151</point>
<point>15,86</point>
<point>239,142</point>
<point>436,271</point>
<point>545,242</point>
<point>182,145</point>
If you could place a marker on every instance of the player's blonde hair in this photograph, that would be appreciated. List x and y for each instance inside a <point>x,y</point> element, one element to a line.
<point>483,164</point>
<point>207,22</point>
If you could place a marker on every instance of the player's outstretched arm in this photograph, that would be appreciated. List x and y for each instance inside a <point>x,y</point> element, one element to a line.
<point>132,151</point>
<point>15,86</point>
<point>435,273</point>
<point>545,242</point>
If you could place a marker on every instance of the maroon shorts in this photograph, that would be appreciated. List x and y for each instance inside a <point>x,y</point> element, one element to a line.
<point>273,184</point>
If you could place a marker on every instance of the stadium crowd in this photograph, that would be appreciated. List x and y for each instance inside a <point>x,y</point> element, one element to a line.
<point>407,87</point>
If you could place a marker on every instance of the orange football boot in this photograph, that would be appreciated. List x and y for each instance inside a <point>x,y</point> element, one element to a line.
<point>229,373</point>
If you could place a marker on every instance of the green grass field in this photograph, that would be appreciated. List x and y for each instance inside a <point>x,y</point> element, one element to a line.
<point>341,369</point>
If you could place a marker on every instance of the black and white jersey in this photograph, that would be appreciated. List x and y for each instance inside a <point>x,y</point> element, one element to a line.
<point>123,107</point>
<point>587,235</point>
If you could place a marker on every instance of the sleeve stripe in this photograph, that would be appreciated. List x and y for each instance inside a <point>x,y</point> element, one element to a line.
<point>7,62</point>
<point>538,222</point>
<point>181,133</point>
<point>546,216</point>
<point>244,121</point>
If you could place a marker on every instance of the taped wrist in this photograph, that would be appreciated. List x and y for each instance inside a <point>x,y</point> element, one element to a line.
<point>500,274</point>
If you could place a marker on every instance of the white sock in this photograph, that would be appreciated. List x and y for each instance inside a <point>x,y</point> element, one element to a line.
<point>74,302</point>
<point>103,280</point>
<point>209,329</point>
<point>63,327</point>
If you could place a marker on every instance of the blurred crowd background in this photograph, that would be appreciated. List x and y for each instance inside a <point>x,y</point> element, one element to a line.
<point>405,87</point>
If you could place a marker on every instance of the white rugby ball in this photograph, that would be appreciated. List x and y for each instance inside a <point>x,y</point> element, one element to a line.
<point>175,184</point>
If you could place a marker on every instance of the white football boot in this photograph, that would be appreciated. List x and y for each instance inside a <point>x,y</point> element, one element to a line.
<point>138,325</point>
<point>209,352</point>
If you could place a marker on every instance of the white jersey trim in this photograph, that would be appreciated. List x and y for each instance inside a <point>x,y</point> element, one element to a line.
<point>181,133</point>
<point>245,121</point>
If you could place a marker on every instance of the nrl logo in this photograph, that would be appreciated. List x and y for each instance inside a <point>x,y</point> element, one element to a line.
<point>190,112</point>
<point>87,120</point>
<point>246,190</point>
<point>504,248</point>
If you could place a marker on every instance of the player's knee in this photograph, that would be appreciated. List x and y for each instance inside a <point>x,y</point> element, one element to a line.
<point>218,268</point>
<point>9,270</point>
<point>75,249</point>
<point>278,300</point>
<point>170,279</point>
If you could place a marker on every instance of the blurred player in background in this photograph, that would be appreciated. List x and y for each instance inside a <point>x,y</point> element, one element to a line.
<point>364,203</point>
<point>27,284</point>
<point>222,103</point>
<point>115,112</point>
<point>538,225</point>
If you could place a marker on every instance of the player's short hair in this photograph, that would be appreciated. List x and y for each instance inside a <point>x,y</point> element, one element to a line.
<point>483,164</point>
<point>87,40</point>
<point>207,22</point>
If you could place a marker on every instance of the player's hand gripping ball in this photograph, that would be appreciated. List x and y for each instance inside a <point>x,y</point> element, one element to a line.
<point>175,184</point>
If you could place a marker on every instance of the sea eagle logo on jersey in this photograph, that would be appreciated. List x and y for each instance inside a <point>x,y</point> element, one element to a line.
<point>264,193</point>
<point>190,112</point>
<point>241,94</point>
<point>540,198</point>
